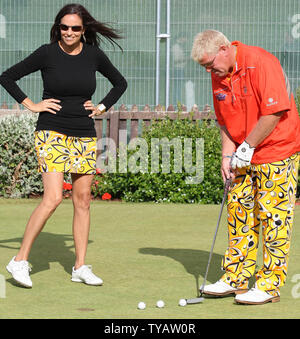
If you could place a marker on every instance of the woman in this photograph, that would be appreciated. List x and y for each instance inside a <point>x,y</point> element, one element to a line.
<point>65,137</point>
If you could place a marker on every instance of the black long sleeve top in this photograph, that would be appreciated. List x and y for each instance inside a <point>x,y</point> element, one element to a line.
<point>72,80</point>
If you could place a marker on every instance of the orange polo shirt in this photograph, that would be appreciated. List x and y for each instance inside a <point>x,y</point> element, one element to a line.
<point>258,86</point>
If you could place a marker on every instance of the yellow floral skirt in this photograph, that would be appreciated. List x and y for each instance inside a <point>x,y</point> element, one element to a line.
<point>261,196</point>
<point>57,152</point>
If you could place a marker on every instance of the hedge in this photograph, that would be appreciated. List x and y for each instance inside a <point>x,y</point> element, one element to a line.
<point>18,167</point>
<point>179,184</point>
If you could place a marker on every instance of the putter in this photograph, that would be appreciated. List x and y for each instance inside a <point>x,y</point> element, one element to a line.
<point>199,299</point>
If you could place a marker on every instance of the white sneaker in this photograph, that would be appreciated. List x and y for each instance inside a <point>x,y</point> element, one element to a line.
<point>256,296</point>
<point>20,272</point>
<point>84,274</point>
<point>220,288</point>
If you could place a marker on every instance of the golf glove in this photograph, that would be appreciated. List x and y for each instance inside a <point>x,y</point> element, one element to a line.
<point>243,155</point>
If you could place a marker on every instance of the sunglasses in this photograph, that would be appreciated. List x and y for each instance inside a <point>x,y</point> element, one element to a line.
<point>73,28</point>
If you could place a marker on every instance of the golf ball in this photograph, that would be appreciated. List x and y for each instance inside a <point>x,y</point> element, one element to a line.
<point>160,303</point>
<point>182,302</point>
<point>141,305</point>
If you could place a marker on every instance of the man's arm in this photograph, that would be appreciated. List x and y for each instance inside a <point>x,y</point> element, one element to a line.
<point>263,128</point>
<point>228,148</point>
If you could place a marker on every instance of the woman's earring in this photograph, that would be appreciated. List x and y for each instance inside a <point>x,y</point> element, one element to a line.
<point>83,37</point>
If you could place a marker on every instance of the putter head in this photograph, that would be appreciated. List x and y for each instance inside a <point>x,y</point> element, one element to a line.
<point>194,300</point>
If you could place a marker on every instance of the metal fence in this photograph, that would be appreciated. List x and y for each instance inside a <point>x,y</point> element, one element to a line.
<point>158,36</point>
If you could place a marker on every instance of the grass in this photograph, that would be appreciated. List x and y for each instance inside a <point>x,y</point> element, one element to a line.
<point>143,252</point>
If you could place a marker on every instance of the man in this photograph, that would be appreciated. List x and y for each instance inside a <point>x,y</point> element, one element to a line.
<point>260,132</point>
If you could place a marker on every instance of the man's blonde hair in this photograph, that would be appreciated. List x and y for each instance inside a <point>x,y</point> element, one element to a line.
<point>208,42</point>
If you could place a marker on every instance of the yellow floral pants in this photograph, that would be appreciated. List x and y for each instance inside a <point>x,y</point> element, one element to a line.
<point>261,196</point>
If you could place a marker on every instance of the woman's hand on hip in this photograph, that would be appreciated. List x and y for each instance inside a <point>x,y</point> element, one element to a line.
<point>47,105</point>
<point>89,106</point>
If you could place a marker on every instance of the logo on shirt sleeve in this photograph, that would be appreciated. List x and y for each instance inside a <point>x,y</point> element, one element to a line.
<point>271,102</point>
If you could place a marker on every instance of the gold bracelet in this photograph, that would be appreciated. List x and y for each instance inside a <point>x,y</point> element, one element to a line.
<point>101,108</point>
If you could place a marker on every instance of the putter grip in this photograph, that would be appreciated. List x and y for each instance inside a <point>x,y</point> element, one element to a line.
<point>227,184</point>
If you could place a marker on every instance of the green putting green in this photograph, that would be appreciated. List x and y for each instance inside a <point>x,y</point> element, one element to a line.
<point>143,252</point>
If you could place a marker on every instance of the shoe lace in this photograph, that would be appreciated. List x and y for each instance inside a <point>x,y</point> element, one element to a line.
<point>256,290</point>
<point>87,272</point>
<point>23,266</point>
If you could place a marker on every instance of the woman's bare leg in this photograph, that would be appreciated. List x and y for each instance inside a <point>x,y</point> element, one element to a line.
<point>53,182</point>
<point>81,195</point>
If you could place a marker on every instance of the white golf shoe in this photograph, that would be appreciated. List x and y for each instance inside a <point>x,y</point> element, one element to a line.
<point>256,296</point>
<point>20,272</point>
<point>220,288</point>
<point>85,275</point>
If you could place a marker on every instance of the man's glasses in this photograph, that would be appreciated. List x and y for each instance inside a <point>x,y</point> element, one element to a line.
<point>73,28</point>
<point>210,63</point>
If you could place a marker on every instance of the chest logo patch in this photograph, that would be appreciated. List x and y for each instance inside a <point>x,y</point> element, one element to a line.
<point>221,96</point>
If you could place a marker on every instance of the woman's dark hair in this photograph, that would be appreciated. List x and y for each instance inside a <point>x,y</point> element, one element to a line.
<point>94,30</point>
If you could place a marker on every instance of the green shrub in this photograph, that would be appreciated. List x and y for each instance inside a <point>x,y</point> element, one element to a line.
<point>173,186</point>
<point>19,177</point>
<point>18,164</point>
